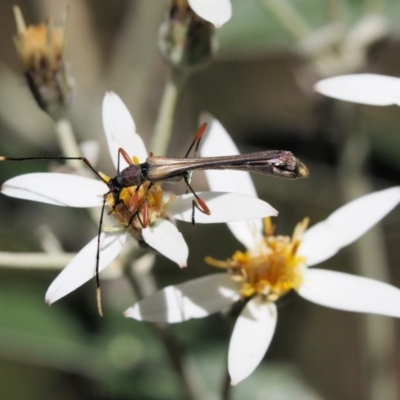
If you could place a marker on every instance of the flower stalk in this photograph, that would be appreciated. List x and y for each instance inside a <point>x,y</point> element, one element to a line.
<point>165,120</point>
<point>369,255</point>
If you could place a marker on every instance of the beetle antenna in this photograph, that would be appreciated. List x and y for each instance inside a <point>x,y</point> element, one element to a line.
<point>84,159</point>
<point>98,290</point>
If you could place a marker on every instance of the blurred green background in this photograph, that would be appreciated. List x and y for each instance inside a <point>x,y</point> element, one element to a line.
<point>260,88</point>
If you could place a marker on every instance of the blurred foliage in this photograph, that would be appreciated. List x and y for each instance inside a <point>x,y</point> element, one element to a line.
<point>260,87</point>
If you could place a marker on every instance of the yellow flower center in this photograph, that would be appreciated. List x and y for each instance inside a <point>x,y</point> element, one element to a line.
<point>270,269</point>
<point>148,205</point>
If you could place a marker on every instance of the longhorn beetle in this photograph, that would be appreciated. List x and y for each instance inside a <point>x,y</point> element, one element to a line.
<point>277,163</point>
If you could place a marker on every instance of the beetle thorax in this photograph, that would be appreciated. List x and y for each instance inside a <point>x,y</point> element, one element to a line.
<point>130,176</point>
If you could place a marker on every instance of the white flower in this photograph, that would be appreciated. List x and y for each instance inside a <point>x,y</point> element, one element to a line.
<point>161,233</point>
<point>218,12</point>
<point>373,89</point>
<point>271,267</point>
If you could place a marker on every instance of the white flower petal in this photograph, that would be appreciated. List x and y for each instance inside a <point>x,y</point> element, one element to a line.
<point>217,142</point>
<point>347,224</point>
<point>197,298</point>
<point>251,338</point>
<point>218,12</point>
<point>91,150</point>
<point>224,207</point>
<point>58,189</point>
<point>378,90</point>
<point>249,233</point>
<point>164,236</point>
<point>120,130</point>
<point>350,293</point>
<point>83,266</point>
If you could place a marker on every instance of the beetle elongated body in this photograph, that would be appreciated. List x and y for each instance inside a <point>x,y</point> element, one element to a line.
<point>282,164</point>
<point>277,163</point>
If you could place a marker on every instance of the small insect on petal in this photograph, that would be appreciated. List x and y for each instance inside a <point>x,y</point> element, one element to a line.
<point>134,195</point>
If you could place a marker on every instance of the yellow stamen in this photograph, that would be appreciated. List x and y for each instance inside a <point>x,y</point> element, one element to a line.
<point>215,263</point>
<point>300,228</point>
<point>147,195</point>
<point>268,227</point>
<point>104,176</point>
<point>272,268</point>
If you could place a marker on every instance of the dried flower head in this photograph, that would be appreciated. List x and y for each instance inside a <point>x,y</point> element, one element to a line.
<point>41,48</point>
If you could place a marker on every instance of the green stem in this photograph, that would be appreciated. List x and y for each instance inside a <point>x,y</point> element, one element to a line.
<point>35,260</point>
<point>143,283</point>
<point>67,142</point>
<point>49,261</point>
<point>226,393</point>
<point>165,120</point>
<point>290,19</point>
<point>370,256</point>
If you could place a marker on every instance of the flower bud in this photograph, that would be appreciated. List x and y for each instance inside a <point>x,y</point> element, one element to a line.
<point>186,40</point>
<point>41,48</point>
